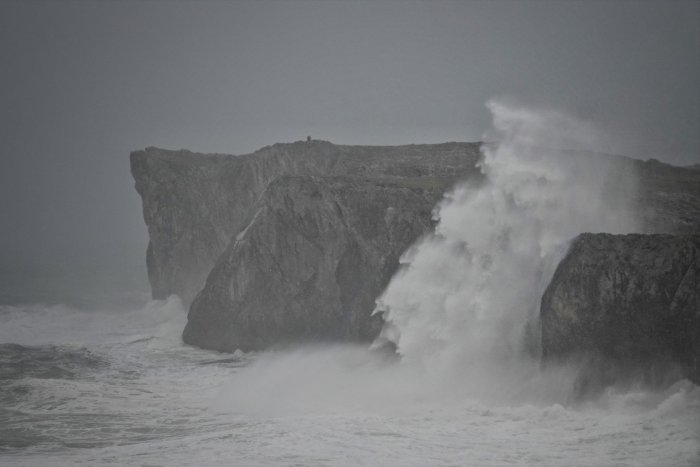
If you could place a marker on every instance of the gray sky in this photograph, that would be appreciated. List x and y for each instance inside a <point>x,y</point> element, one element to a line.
<point>83,83</point>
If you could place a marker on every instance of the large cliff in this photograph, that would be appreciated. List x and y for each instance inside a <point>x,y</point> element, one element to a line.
<point>295,241</point>
<point>626,306</point>
<point>310,264</point>
<point>194,204</point>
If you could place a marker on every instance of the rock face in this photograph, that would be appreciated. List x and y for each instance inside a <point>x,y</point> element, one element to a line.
<point>309,265</point>
<point>194,204</point>
<point>295,241</point>
<point>628,305</point>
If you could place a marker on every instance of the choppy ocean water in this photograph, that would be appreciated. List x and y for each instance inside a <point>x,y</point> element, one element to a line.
<point>118,387</point>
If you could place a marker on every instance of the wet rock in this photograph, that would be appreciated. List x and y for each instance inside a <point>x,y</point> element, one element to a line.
<point>194,204</point>
<point>627,307</point>
<point>310,264</point>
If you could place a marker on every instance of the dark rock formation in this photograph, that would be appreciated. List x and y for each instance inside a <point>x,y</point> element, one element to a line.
<point>628,306</point>
<point>193,204</point>
<point>297,240</point>
<point>310,264</point>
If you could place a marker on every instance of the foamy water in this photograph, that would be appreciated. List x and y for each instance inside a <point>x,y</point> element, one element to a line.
<point>132,394</point>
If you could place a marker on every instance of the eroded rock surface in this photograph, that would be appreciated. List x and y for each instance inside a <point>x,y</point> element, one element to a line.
<point>626,305</point>
<point>194,204</point>
<point>310,264</point>
<point>295,241</point>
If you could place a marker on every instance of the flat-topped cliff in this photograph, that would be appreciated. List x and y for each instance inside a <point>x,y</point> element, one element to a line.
<point>296,241</point>
<point>193,203</point>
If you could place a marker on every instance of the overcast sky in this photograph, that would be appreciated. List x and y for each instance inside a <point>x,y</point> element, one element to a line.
<point>83,83</point>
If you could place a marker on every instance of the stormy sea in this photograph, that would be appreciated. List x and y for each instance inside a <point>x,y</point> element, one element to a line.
<point>115,385</point>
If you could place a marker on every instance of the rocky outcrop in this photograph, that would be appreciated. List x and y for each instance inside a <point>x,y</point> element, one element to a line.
<point>194,204</point>
<point>310,264</point>
<point>295,241</point>
<point>627,306</point>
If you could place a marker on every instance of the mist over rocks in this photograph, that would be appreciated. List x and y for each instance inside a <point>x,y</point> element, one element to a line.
<point>628,307</point>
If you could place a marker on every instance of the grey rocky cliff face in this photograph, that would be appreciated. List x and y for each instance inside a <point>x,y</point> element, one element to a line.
<point>295,241</point>
<point>310,264</point>
<point>194,204</point>
<point>627,306</point>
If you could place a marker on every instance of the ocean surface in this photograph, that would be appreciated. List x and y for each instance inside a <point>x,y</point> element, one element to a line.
<point>118,387</point>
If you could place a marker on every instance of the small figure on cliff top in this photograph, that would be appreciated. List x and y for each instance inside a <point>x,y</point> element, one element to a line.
<point>308,139</point>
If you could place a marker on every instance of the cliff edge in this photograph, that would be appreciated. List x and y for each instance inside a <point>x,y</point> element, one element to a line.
<point>194,204</point>
<point>295,241</point>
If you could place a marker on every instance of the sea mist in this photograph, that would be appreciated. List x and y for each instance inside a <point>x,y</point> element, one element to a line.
<point>462,310</point>
<point>466,299</point>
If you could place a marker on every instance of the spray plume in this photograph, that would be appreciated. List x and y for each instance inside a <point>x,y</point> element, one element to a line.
<point>458,308</point>
<point>463,296</point>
